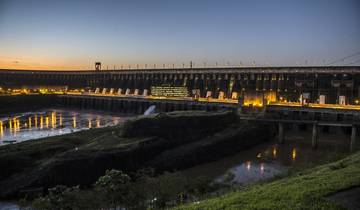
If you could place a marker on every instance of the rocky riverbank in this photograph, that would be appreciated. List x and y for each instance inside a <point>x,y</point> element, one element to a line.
<point>170,141</point>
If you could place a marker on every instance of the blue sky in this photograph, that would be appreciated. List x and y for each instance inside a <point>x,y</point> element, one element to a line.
<point>70,34</point>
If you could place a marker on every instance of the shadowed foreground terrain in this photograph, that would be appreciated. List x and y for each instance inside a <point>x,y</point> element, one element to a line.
<point>311,189</point>
<point>171,141</point>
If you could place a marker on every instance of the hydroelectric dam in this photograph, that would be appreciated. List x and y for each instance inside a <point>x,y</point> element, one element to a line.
<point>314,96</point>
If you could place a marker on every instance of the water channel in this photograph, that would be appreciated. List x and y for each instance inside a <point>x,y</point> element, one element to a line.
<point>18,127</point>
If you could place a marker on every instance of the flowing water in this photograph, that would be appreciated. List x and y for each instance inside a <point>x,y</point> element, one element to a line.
<point>18,127</point>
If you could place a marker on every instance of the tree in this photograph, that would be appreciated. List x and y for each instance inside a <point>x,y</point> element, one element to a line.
<point>114,187</point>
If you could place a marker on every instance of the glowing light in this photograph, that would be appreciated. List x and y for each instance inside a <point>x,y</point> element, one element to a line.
<point>248,165</point>
<point>29,122</point>
<point>115,120</point>
<point>74,121</point>
<point>259,155</point>
<point>293,154</point>
<point>98,122</point>
<point>1,129</point>
<point>270,97</point>
<point>253,100</point>
<point>10,125</point>
<point>35,121</point>
<point>47,121</point>
<point>274,152</point>
<point>53,120</point>
<point>41,122</point>
<point>89,123</point>
<point>262,167</point>
<point>60,120</point>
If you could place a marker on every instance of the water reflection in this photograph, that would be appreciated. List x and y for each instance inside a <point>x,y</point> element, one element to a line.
<point>251,172</point>
<point>263,164</point>
<point>1,130</point>
<point>293,154</point>
<point>25,126</point>
<point>74,121</point>
<point>274,152</point>
<point>90,124</point>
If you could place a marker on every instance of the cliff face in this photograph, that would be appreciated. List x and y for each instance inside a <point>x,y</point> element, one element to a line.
<point>168,141</point>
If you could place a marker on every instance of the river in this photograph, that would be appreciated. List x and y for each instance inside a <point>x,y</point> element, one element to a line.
<point>18,127</point>
<point>269,160</point>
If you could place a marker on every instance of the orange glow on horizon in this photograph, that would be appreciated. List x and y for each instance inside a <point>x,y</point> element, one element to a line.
<point>43,63</point>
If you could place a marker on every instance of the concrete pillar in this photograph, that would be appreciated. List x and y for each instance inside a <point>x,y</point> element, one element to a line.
<point>281,133</point>
<point>136,92</point>
<point>315,136</point>
<point>104,91</point>
<point>145,92</point>
<point>97,90</point>
<point>127,92</point>
<point>221,95</point>
<point>208,94</point>
<point>234,95</point>
<point>353,138</point>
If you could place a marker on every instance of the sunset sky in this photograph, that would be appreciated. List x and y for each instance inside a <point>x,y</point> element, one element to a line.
<point>70,34</point>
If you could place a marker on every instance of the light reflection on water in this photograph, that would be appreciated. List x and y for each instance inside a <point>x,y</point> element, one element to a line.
<point>32,125</point>
<point>264,166</point>
<point>269,160</point>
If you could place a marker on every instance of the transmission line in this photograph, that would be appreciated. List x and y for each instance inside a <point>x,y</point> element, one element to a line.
<point>357,61</point>
<point>343,59</point>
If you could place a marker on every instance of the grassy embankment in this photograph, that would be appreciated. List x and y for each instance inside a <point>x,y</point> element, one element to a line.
<point>305,190</point>
<point>171,141</point>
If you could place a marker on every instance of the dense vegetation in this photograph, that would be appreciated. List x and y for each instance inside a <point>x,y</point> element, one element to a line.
<point>116,189</point>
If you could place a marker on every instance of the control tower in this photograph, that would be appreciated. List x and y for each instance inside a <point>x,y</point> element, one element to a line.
<point>97,66</point>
